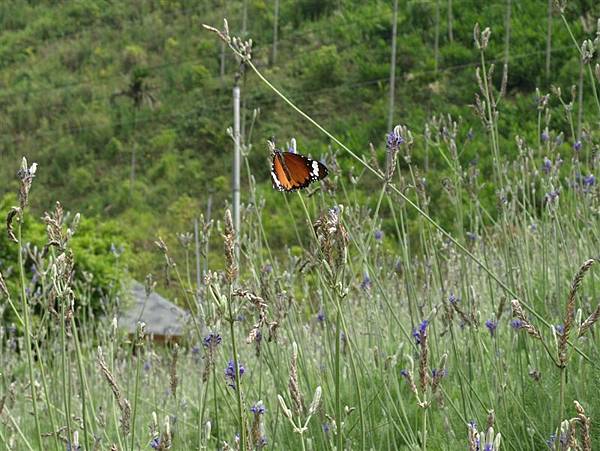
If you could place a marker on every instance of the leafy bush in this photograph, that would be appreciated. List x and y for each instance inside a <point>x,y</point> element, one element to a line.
<point>93,245</point>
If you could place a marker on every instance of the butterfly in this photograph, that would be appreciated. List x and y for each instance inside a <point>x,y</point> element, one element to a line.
<point>291,171</point>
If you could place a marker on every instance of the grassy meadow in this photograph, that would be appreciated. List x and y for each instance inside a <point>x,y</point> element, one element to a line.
<point>439,290</point>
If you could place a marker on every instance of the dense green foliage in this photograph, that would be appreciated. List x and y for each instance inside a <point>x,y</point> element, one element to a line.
<point>69,98</point>
<point>464,284</point>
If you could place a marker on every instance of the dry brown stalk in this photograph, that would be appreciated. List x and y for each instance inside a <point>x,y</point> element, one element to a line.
<point>9,223</point>
<point>423,362</point>
<point>589,322</point>
<point>3,287</point>
<point>173,372</point>
<point>570,312</point>
<point>10,394</point>
<point>586,441</point>
<point>293,386</point>
<point>229,241</point>
<point>439,374</point>
<point>124,405</point>
<point>526,325</point>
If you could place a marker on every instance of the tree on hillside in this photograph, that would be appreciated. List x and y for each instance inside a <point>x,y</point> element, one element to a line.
<point>140,93</point>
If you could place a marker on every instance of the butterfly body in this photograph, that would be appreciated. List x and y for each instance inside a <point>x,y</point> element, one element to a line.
<point>292,171</point>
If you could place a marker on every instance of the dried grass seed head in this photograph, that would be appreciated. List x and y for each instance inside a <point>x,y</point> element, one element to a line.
<point>332,236</point>
<point>229,239</point>
<point>123,403</point>
<point>25,174</point>
<point>13,213</point>
<point>174,380</point>
<point>3,287</point>
<point>293,385</point>
<point>570,311</point>
<point>525,324</point>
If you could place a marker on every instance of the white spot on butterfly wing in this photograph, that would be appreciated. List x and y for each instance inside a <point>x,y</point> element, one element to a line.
<point>314,173</point>
<point>276,181</point>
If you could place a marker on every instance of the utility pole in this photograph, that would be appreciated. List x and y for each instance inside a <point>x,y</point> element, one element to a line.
<point>245,18</point>
<point>197,250</point>
<point>207,241</point>
<point>450,20</point>
<point>549,39</point>
<point>236,159</point>
<point>222,57</point>
<point>507,32</point>
<point>393,67</point>
<point>275,32</point>
<point>580,100</point>
<point>132,172</point>
<point>436,43</point>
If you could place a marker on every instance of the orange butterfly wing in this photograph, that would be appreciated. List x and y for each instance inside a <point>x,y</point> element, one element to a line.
<point>292,171</point>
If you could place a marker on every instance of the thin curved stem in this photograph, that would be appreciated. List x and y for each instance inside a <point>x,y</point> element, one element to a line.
<point>238,382</point>
<point>27,326</point>
<point>413,205</point>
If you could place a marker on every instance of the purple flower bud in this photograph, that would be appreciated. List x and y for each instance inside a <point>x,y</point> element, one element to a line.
<point>551,197</point>
<point>547,166</point>
<point>257,409</point>
<point>366,283</point>
<point>211,340</point>
<point>559,328</point>
<point>398,266</point>
<point>577,146</point>
<point>394,140</point>
<point>378,235</point>
<point>545,136</point>
<point>589,180</point>
<point>491,325</point>
<point>419,333</point>
<point>436,373</point>
<point>267,269</point>
<point>516,324</point>
<point>230,373</point>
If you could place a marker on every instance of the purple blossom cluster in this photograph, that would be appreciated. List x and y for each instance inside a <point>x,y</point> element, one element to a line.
<point>491,325</point>
<point>420,332</point>
<point>394,140</point>
<point>230,375</point>
<point>212,340</point>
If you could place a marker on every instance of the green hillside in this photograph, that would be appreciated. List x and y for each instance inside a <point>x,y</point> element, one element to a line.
<point>438,290</point>
<point>88,86</point>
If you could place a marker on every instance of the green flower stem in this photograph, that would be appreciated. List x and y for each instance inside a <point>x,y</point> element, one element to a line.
<point>413,205</point>
<point>27,326</point>
<point>238,382</point>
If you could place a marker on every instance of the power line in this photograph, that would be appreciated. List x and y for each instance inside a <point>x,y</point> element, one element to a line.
<point>173,63</point>
<point>413,74</point>
<point>10,95</point>
<point>267,102</point>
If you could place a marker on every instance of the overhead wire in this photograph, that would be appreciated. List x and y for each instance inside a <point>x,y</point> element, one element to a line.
<point>250,98</point>
<point>253,97</point>
<point>293,34</point>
